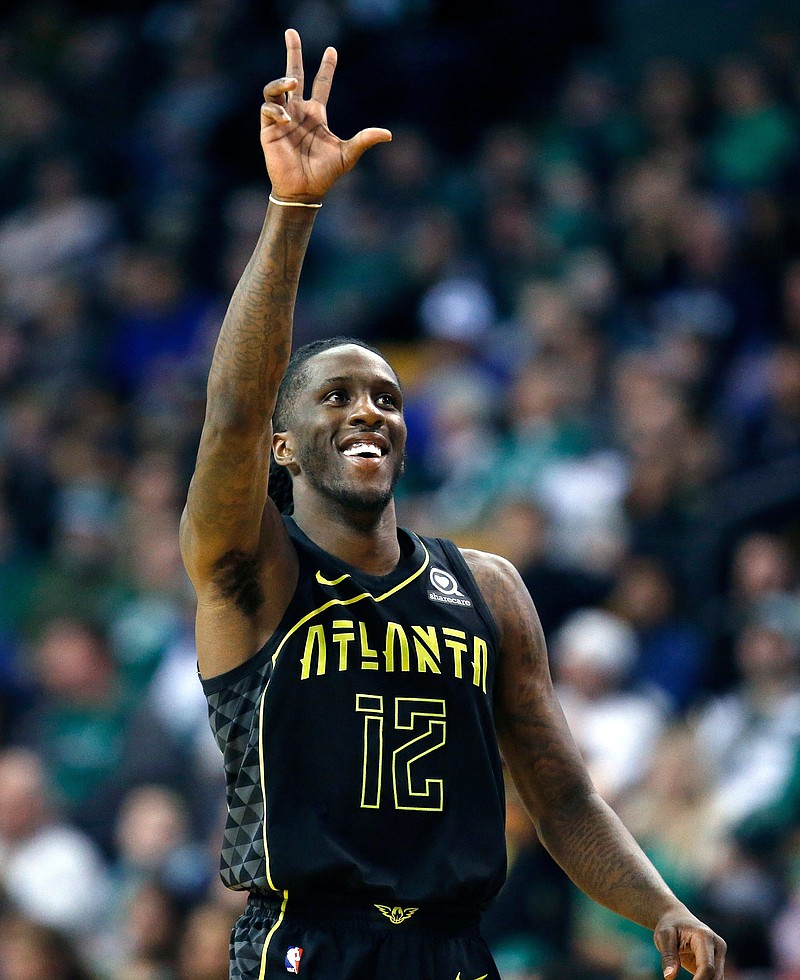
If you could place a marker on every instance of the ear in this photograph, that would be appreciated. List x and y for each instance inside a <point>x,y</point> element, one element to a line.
<point>283,452</point>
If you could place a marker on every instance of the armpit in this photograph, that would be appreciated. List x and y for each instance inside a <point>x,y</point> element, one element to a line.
<point>235,574</point>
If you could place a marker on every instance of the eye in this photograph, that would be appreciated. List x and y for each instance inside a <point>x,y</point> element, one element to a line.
<point>336,397</point>
<point>386,400</point>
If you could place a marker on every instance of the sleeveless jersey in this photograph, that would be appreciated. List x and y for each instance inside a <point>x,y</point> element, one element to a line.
<point>360,754</point>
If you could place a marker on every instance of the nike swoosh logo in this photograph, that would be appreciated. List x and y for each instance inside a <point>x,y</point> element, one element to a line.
<point>330,581</point>
<point>485,975</point>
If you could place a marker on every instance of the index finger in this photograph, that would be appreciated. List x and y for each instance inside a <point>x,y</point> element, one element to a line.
<point>294,59</point>
<point>704,956</point>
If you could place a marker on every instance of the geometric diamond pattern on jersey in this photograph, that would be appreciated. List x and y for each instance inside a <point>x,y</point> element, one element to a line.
<point>247,943</point>
<point>233,715</point>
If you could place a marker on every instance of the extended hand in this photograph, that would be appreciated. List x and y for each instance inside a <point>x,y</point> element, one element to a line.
<point>684,941</point>
<point>304,159</point>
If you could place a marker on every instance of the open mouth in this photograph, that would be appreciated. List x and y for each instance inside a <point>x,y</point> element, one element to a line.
<point>364,450</point>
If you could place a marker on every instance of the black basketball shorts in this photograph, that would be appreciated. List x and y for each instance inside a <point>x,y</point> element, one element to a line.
<point>325,940</point>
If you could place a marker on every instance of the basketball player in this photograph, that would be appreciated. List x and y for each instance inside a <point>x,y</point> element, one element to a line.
<point>359,677</point>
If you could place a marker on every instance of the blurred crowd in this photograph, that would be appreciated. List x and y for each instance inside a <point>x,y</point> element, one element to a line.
<point>590,286</point>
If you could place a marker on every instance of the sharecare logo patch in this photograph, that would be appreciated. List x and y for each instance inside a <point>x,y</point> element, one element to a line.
<point>293,956</point>
<point>444,588</point>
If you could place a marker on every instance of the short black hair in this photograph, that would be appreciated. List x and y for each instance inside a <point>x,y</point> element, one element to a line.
<point>296,374</point>
<point>280,481</point>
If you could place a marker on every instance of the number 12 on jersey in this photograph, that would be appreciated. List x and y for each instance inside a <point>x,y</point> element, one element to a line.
<point>425,720</point>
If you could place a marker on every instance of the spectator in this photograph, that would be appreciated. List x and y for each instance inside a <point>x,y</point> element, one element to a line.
<point>750,735</point>
<point>153,839</point>
<point>755,137</point>
<point>78,721</point>
<point>519,529</point>
<point>52,872</point>
<point>671,655</point>
<point>203,953</point>
<point>30,950</point>
<point>160,317</point>
<point>773,430</point>
<point>61,228</point>
<point>762,565</point>
<point>142,941</point>
<point>616,729</point>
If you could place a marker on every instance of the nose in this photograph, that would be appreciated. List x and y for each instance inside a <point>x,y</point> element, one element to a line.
<point>366,412</point>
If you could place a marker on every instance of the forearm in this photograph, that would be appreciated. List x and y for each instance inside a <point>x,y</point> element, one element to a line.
<point>581,832</point>
<point>599,854</point>
<point>256,335</point>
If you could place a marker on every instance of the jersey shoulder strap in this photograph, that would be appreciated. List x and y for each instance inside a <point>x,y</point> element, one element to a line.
<point>462,571</point>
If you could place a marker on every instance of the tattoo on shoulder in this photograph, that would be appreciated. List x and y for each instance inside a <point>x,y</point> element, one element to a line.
<point>508,600</point>
<point>236,576</point>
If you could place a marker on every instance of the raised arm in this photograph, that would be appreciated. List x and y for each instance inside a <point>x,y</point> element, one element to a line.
<point>577,827</point>
<point>232,539</point>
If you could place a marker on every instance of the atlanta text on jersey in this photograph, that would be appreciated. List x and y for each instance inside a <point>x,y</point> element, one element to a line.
<point>345,644</point>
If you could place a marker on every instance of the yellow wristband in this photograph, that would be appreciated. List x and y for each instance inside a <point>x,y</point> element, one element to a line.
<point>293,204</point>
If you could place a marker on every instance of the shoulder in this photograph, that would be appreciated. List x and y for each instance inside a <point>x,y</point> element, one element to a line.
<point>490,569</point>
<point>503,590</point>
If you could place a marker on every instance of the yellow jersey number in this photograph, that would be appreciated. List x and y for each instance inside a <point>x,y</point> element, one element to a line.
<point>425,719</point>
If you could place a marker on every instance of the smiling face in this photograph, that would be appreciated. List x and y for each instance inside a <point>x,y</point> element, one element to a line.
<point>346,436</point>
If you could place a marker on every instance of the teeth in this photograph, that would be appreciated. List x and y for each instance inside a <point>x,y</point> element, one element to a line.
<point>362,449</point>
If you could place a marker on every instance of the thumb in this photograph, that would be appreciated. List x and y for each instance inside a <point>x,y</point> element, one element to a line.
<point>670,965</point>
<point>667,942</point>
<point>353,148</point>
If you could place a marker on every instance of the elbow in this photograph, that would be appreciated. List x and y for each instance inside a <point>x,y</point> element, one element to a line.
<point>573,800</point>
<point>567,814</point>
<point>556,788</point>
<point>233,406</point>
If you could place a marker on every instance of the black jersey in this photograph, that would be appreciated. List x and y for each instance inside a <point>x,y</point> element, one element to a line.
<point>360,753</point>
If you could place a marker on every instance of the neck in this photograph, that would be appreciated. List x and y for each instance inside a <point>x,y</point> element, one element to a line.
<point>365,540</point>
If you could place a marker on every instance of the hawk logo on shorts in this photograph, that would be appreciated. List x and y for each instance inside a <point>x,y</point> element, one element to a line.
<point>395,915</point>
<point>444,588</point>
<point>293,957</point>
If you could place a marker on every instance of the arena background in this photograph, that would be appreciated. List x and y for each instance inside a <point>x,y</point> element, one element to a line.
<point>582,251</point>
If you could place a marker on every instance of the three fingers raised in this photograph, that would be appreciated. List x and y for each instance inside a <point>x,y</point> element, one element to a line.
<point>282,89</point>
<point>278,92</point>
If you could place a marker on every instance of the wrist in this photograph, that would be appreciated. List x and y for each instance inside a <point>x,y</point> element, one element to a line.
<point>673,908</point>
<point>295,200</point>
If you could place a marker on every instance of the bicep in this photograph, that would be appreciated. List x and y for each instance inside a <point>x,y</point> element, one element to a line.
<point>236,550</point>
<point>534,738</point>
<point>241,600</point>
<point>225,508</point>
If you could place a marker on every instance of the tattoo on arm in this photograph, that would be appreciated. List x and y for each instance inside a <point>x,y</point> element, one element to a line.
<point>227,494</point>
<point>255,340</point>
<point>579,829</point>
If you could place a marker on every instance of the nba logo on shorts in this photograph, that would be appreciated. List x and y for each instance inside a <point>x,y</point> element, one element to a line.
<point>293,955</point>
